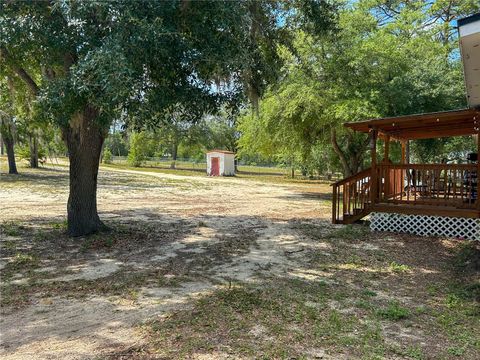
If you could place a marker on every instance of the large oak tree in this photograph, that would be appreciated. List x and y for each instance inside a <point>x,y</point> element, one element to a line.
<point>102,60</point>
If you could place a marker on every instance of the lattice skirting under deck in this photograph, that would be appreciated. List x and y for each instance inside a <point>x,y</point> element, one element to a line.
<point>424,225</point>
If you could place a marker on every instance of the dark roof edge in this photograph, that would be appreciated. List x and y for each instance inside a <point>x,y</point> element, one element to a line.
<point>468,19</point>
<point>403,117</point>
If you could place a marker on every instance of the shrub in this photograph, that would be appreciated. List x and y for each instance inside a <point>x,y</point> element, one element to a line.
<point>107,156</point>
<point>23,152</point>
<point>138,149</point>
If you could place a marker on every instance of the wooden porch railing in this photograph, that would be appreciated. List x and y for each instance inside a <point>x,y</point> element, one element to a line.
<point>452,185</point>
<point>351,197</point>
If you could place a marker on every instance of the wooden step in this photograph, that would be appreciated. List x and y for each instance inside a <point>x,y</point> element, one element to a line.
<point>350,219</point>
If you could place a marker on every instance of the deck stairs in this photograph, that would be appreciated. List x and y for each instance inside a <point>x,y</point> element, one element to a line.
<point>352,198</point>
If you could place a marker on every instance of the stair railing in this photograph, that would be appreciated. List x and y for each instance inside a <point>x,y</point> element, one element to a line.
<point>351,197</point>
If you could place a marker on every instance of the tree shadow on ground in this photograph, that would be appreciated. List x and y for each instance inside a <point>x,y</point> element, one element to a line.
<point>343,266</point>
<point>304,195</point>
<point>160,252</point>
<point>42,176</point>
<point>393,292</point>
<point>165,264</point>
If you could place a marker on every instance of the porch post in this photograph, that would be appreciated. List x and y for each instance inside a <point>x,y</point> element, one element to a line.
<point>404,152</point>
<point>374,177</point>
<point>407,151</point>
<point>404,173</point>
<point>386,173</point>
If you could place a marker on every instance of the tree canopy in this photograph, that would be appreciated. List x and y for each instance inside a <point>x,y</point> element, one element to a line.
<point>385,59</point>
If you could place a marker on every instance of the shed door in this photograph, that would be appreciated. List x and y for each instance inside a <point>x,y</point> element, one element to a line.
<point>215,169</point>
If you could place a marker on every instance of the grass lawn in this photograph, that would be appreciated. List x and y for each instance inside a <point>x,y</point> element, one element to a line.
<point>270,175</point>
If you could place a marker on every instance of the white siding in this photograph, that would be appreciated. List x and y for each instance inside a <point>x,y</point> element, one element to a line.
<point>229,165</point>
<point>470,50</point>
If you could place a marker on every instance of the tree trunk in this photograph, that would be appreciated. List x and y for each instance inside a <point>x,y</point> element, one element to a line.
<point>1,145</point>
<point>12,165</point>
<point>347,171</point>
<point>7,133</point>
<point>84,142</point>
<point>33,152</point>
<point>174,154</point>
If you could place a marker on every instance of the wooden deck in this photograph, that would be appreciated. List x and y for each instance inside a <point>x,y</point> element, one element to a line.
<point>420,189</point>
<point>425,189</point>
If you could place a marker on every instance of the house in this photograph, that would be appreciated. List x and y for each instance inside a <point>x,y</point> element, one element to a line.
<point>469,33</point>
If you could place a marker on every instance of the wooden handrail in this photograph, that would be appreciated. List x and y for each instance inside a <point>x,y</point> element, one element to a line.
<point>452,186</point>
<point>351,197</point>
<point>353,177</point>
<point>429,166</point>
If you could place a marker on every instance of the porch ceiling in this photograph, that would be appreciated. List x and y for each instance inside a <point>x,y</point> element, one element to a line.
<point>423,126</point>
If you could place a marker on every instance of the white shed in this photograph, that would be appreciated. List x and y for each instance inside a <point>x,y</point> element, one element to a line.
<point>220,163</point>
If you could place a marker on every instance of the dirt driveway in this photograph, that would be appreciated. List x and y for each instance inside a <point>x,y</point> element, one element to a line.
<point>178,242</point>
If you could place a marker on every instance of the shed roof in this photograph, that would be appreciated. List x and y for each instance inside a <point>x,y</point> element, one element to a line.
<point>423,126</point>
<point>221,151</point>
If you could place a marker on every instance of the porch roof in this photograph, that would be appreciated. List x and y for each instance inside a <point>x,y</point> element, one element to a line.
<point>423,126</point>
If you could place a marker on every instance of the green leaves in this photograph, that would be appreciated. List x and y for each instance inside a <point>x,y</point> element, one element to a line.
<point>139,59</point>
<point>385,59</point>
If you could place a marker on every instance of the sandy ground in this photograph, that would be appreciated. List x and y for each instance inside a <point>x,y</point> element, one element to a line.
<point>211,212</point>
<point>173,194</point>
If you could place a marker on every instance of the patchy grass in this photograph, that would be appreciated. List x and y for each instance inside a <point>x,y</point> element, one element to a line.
<point>414,352</point>
<point>467,258</point>
<point>245,173</point>
<point>398,268</point>
<point>288,320</point>
<point>350,232</point>
<point>47,243</point>
<point>44,180</point>
<point>10,228</point>
<point>23,260</point>
<point>292,319</point>
<point>54,180</point>
<point>123,283</point>
<point>20,264</point>
<point>313,290</point>
<point>394,311</point>
<point>459,312</point>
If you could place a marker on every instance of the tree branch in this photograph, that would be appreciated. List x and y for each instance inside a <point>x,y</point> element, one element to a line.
<point>32,85</point>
